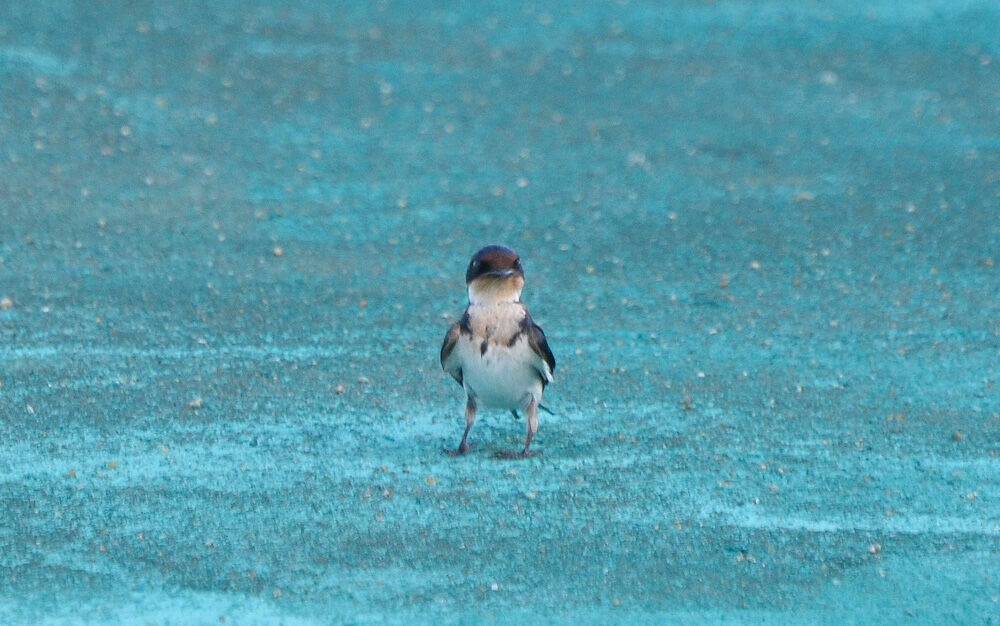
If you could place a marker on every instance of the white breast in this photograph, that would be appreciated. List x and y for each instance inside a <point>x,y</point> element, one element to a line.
<point>504,377</point>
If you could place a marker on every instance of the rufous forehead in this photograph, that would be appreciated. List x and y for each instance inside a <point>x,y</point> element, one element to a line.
<point>496,256</point>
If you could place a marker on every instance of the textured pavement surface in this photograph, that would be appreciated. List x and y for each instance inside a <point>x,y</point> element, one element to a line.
<point>763,239</point>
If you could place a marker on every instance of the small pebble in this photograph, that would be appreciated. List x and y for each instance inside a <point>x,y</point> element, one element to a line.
<point>278,251</point>
<point>6,303</point>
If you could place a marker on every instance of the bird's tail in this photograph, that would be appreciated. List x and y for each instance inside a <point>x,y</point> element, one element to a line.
<point>541,406</point>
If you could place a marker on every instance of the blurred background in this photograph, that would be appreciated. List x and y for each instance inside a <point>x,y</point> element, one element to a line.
<point>761,237</point>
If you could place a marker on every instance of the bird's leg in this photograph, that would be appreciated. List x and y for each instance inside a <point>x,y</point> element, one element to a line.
<point>470,416</point>
<point>531,418</point>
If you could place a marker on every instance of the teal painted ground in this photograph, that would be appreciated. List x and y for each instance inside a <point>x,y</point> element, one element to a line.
<point>763,239</point>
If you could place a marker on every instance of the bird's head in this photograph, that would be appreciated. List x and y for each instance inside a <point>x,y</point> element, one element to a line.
<point>494,275</point>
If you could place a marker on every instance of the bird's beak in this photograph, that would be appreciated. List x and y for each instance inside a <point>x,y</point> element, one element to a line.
<point>501,273</point>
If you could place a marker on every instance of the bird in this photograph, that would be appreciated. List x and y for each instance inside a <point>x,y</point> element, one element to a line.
<point>496,351</point>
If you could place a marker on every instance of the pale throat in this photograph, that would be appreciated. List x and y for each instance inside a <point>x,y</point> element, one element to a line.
<point>495,291</point>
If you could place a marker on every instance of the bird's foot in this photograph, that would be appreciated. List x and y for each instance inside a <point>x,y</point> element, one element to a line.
<point>517,454</point>
<point>459,451</point>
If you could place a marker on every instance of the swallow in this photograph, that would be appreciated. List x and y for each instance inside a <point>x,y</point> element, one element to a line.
<point>496,352</point>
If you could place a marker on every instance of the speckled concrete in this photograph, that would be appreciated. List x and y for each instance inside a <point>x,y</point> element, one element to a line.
<point>762,238</point>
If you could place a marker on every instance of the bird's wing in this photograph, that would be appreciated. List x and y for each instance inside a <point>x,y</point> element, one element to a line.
<point>448,363</point>
<point>546,363</point>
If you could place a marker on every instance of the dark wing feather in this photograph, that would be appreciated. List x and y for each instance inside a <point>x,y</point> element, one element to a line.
<point>446,349</point>
<point>536,339</point>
